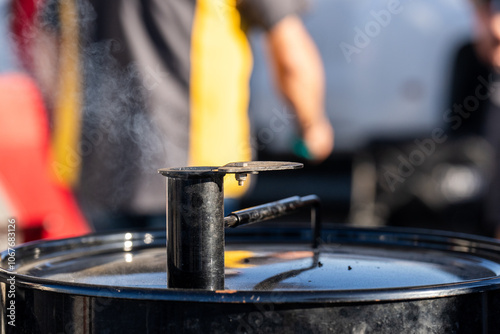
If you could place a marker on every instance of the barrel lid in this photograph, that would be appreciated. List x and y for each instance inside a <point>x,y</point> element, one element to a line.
<point>350,265</point>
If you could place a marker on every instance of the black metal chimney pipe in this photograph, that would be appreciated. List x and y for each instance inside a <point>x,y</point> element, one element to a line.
<point>195,221</point>
<point>195,231</point>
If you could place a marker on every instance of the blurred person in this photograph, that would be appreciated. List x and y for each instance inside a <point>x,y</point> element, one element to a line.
<point>34,205</point>
<point>488,49</point>
<point>143,85</point>
<point>488,31</point>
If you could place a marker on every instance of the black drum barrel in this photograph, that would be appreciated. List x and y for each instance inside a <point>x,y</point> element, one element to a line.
<point>356,281</point>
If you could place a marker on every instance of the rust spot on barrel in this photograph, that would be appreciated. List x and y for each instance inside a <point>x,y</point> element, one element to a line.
<point>226,291</point>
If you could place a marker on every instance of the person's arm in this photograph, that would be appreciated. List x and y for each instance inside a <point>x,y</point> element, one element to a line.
<point>300,77</point>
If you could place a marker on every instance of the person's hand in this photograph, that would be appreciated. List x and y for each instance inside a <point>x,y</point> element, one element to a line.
<point>318,138</point>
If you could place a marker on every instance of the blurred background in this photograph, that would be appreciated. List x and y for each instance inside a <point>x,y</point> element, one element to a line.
<point>404,155</point>
<point>396,89</point>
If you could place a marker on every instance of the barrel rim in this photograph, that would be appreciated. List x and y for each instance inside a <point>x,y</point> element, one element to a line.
<point>462,242</point>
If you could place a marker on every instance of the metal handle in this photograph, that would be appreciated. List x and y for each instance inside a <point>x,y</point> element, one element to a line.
<point>277,209</point>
